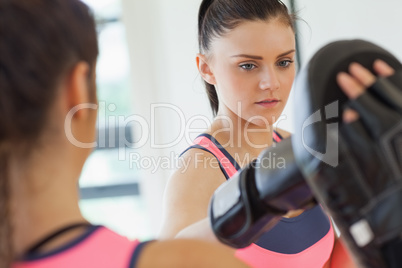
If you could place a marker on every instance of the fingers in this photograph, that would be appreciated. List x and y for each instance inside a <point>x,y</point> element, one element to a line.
<point>382,68</point>
<point>361,74</point>
<point>359,79</point>
<point>355,83</point>
<point>350,116</point>
<point>350,86</point>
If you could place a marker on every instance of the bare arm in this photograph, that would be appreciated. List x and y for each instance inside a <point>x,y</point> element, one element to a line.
<point>182,253</point>
<point>188,194</point>
<point>198,229</point>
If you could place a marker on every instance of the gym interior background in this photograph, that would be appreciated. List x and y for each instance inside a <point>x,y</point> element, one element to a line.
<point>152,101</point>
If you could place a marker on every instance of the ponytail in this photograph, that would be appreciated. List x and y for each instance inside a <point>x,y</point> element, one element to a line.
<point>213,97</point>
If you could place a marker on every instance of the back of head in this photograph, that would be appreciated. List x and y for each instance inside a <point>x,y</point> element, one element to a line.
<point>41,41</point>
<point>217,17</point>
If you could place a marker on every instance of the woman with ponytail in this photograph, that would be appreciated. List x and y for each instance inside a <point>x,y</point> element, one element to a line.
<point>246,59</point>
<point>48,53</point>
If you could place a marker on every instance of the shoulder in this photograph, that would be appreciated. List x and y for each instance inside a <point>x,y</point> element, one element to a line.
<point>186,253</point>
<point>285,134</point>
<point>198,166</point>
<point>198,170</point>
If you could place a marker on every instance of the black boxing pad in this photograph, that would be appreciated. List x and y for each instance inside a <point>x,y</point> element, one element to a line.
<point>354,170</point>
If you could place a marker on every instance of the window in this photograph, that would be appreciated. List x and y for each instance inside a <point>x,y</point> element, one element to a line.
<point>109,187</point>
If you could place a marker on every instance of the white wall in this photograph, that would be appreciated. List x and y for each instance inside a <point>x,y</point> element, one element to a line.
<point>162,38</point>
<point>373,20</point>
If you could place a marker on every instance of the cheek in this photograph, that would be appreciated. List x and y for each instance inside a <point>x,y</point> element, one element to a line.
<point>231,85</point>
<point>287,83</point>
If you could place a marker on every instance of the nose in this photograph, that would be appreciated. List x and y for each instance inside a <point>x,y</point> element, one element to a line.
<point>269,80</point>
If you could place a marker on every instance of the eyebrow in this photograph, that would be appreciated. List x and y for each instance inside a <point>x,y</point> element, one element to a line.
<point>285,53</point>
<point>247,56</point>
<point>259,57</point>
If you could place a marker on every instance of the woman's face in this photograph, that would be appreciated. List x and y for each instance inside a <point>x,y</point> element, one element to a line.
<point>253,69</point>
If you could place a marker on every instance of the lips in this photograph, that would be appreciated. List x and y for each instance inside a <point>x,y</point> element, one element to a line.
<point>268,103</point>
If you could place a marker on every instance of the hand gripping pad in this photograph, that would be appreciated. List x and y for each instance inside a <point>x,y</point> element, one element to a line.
<point>354,170</point>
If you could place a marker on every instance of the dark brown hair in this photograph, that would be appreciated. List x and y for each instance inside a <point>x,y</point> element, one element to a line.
<point>216,17</point>
<point>41,41</point>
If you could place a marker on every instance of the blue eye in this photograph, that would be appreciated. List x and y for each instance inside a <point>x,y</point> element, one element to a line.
<point>284,63</point>
<point>247,66</point>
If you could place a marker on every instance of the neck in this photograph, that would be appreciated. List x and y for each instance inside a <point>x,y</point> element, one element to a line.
<point>241,135</point>
<point>44,195</point>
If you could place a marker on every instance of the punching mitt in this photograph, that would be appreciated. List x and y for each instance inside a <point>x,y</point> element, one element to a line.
<point>355,169</point>
<point>254,199</point>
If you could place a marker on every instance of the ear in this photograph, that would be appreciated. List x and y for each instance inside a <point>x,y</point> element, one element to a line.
<point>78,88</point>
<point>205,69</point>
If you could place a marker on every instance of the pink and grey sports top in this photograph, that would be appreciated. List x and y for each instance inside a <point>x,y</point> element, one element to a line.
<point>98,247</point>
<point>303,241</point>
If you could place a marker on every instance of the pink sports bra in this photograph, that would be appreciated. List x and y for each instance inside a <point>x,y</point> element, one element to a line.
<point>98,247</point>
